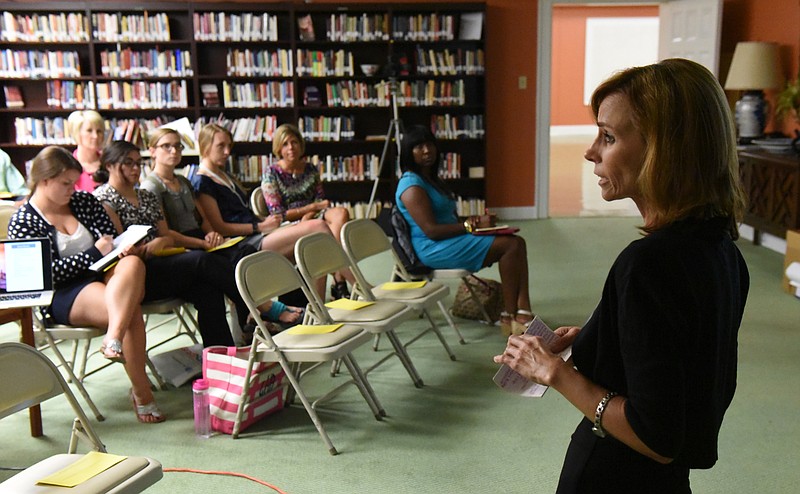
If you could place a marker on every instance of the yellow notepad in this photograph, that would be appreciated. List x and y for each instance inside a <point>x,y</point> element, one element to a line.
<point>224,245</point>
<point>93,463</point>
<point>170,251</point>
<point>403,285</point>
<point>311,329</point>
<point>347,304</point>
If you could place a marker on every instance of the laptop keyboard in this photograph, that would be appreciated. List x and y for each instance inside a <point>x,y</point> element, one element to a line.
<point>20,296</point>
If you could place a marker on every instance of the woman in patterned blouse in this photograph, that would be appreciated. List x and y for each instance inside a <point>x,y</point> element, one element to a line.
<point>292,189</point>
<point>196,276</point>
<point>80,233</point>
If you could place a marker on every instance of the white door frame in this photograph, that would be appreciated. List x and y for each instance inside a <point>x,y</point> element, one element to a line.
<point>544,59</point>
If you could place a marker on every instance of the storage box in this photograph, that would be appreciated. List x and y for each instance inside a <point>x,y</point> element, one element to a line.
<point>792,255</point>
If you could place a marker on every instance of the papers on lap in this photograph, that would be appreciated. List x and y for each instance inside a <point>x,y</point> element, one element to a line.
<point>496,230</point>
<point>131,236</point>
<point>511,381</point>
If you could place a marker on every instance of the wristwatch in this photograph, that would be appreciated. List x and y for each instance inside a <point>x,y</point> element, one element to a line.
<point>467,226</point>
<point>255,227</point>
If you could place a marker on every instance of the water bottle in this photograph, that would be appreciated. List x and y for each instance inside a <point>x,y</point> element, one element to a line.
<point>202,412</point>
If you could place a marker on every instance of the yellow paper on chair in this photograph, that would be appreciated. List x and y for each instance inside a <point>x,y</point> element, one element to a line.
<point>403,285</point>
<point>313,329</point>
<point>93,463</point>
<point>347,304</point>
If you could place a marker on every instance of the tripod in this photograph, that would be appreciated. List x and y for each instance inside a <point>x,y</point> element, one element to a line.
<point>395,131</point>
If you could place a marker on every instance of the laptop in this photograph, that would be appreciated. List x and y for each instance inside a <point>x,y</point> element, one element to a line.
<point>26,273</point>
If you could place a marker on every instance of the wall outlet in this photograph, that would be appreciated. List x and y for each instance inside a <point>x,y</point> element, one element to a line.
<point>523,82</point>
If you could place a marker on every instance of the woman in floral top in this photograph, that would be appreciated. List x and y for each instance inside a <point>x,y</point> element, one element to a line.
<point>292,189</point>
<point>80,233</point>
<point>196,276</point>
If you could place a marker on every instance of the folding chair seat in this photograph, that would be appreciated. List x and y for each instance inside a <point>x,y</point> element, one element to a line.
<point>264,275</point>
<point>362,239</point>
<point>319,255</point>
<point>30,378</point>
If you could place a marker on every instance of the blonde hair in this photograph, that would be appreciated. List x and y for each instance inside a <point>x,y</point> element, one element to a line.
<point>157,134</point>
<point>284,132</point>
<point>76,120</point>
<point>51,162</point>
<point>690,168</point>
<point>206,137</point>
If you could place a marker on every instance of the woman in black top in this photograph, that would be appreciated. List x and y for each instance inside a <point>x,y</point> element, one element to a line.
<point>654,368</point>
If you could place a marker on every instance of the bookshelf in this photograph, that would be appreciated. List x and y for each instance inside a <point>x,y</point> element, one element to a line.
<point>254,66</point>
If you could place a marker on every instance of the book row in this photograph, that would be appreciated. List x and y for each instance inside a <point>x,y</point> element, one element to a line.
<point>36,64</point>
<point>259,128</point>
<point>130,27</point>
<point>457,126</point>
<point>273,94</point>
<point>327,129</point>
<point>247,26</point>
<point>144,95</point>
<point>355,168</point>
<point>445,62</point>
<point>63,27</point>
<point>424,27</point>
<point>348,28</point>
<point>329,63</point>
<point>146,63</point>
<point>249,63</point>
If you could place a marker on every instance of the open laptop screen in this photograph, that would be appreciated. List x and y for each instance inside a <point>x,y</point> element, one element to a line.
<point>26,276</point>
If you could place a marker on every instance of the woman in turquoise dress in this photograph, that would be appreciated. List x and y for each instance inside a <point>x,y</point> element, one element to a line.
<point>444,241</point>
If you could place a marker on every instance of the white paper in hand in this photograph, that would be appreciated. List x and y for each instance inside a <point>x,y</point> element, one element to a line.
<point>132,235</point>
<point>511,381</point>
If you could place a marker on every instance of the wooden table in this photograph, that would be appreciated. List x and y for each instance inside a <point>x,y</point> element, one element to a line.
<point>772,185</point>
<point>25,317</point>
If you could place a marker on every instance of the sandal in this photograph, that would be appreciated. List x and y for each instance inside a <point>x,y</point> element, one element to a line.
<point>148,410</point>
<point>279,311</point>
<point>518,327</point>
<point>112,350</point>
<point>506,323</point>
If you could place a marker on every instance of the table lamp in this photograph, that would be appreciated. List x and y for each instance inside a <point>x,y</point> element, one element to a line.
<point>754,68</point>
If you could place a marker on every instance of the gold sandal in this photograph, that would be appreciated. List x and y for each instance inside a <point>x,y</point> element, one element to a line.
<point>520,327</point>
<point>506,323</point>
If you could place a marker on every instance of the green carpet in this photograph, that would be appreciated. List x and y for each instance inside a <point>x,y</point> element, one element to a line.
<point>459,433</point>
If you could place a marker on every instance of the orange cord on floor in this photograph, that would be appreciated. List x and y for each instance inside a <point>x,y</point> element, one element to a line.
<point>232,474</point>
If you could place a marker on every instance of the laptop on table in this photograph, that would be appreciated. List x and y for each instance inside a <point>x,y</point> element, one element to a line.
<point>26,273</point>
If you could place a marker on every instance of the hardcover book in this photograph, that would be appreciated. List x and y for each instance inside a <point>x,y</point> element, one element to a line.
<point>13,96</point>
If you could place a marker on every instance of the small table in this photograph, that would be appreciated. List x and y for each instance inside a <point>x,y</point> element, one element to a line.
<point>25,316</point>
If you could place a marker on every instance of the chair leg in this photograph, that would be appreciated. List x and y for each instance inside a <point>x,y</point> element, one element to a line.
<point>451,322</point>
<point>73,378</point>
<point>306,404</point>
<point>364,387</point>
<point>438,333</point>
<point>401,353</point>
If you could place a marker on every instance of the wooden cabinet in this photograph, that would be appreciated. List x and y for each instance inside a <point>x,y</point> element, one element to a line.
<point>254,66</point>
<point>772,186</point>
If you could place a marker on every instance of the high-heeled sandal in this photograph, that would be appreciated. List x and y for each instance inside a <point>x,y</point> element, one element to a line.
<point>506,323</point>
<point>520,327</point>
<point>148,410</point>
<point>112,350</point>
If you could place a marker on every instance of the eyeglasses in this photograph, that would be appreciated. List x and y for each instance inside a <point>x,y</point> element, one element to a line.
<point>132,163</point>
<point>169,147</point>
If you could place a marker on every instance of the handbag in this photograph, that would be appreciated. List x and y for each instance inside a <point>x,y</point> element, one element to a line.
<point>225,369</point>
<point>489,294</point>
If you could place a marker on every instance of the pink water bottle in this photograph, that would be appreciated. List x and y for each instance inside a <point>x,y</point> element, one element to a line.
<point>202,412</point>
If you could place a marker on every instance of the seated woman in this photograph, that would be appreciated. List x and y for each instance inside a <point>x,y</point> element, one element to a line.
<point>187,222</point>
<point>443,241</point>
<point>80,233</point>
<point>196,276</point>
<point>226,205</point>
<point>87,129</point>
<point>292,188</point>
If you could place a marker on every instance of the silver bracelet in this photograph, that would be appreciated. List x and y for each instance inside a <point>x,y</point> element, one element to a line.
<point>598,414</point>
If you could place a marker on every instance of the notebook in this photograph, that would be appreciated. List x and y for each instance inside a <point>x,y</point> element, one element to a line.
<point>26,273</point>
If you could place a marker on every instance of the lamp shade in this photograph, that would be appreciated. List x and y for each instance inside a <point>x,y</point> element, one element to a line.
<point>755,65</point>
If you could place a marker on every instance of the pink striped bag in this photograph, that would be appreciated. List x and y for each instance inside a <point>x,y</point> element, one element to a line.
<point>225,368</point>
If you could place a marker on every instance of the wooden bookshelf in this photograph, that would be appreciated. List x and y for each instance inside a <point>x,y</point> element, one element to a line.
<point>256,66</point>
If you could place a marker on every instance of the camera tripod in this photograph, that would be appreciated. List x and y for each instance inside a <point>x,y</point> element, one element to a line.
<point>395,132</point>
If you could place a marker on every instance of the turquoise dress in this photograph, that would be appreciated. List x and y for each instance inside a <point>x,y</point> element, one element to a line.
<point>461,252</point>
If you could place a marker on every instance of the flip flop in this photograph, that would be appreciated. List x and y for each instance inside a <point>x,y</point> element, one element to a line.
<point>150,409</point>
<point>112,350</point>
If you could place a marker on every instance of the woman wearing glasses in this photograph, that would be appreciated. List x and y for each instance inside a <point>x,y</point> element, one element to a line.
<point>196,276</point>
<point>80,233</point>
<point>188,225</point>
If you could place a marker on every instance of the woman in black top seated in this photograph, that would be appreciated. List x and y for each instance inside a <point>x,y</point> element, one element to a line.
<point>80,233</point>
<point>654,368</point>
<point>196,276</point>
